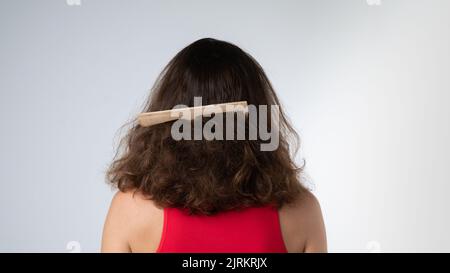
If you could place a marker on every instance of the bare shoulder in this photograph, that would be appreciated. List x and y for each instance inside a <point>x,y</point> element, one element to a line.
<point>306,204</point>
<point>303,226</point>
<point>132,217</point>
<point>132,202</point>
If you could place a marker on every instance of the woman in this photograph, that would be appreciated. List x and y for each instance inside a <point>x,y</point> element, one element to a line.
<point>210,195</point>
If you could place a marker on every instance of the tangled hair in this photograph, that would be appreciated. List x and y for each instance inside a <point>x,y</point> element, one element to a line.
<point>204,176</point>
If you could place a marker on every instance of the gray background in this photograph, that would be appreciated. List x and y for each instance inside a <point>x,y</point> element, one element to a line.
<point>366,85</point>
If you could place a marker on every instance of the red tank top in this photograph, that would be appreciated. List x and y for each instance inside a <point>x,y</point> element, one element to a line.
<point>251,230</point>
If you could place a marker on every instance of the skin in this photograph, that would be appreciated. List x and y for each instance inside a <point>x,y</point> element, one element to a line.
<point>134,224</point>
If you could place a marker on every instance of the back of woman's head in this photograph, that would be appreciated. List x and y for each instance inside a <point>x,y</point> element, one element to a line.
<point>209,176</point>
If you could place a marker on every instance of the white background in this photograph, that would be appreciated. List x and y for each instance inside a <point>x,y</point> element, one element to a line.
<point>366,85</point>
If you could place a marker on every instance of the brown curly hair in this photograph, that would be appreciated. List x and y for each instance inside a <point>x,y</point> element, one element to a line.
<point>204,176</point>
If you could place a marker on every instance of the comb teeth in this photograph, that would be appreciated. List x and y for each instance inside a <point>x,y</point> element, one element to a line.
<point>152,118</point>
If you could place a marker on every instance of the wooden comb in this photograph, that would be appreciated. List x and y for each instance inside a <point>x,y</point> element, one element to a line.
<point>152,118</point>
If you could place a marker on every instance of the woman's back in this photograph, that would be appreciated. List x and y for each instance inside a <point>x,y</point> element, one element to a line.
<point>135,224</point>
<point>254,229</point>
